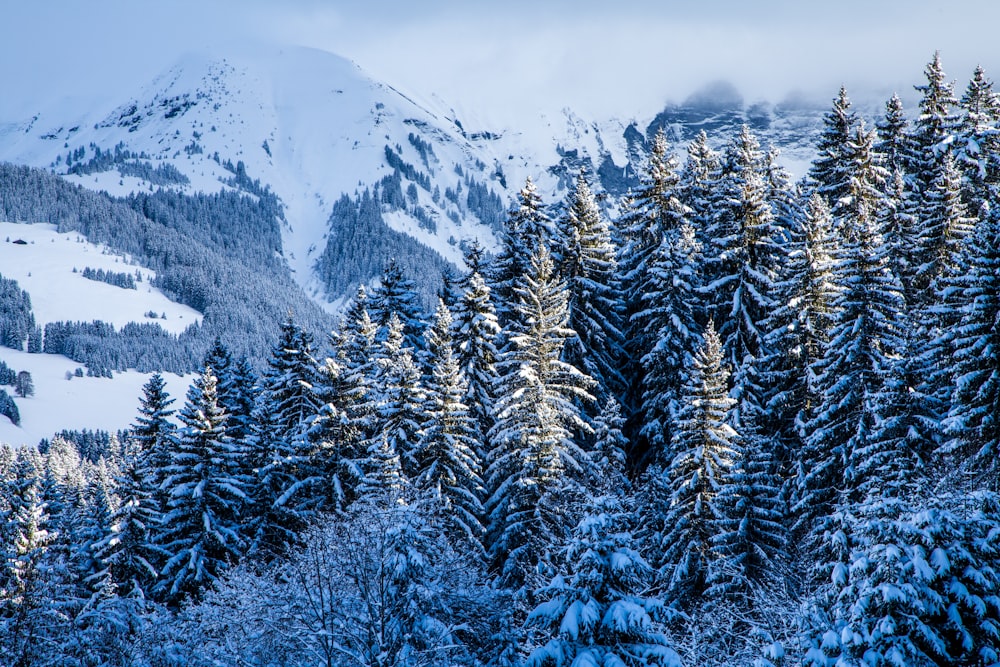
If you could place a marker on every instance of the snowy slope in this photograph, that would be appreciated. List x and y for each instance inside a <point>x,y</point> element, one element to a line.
<point>78,403</point>
<point>43,267</point>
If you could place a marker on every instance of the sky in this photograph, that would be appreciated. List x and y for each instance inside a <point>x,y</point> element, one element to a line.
<point>506,59</point>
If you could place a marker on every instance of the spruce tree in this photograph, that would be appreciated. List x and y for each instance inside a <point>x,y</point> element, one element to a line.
<point>447,454</point>
<point>829,170</point>
<point>535,464</point>
<point>972,427</point>
<point>669,313</point>
<point>202,529</point>
<point>396,294</point>
<point>585,258</point>
<point>526,227</point>
<point>477,335</point>
<point>978,142</point>
<point>599,611</point>
<point>799,326</point>
<point>397,397</point>
<point>681,511</point>
<point>864,340</point>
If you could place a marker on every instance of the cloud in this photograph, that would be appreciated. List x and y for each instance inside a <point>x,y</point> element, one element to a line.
<point>518,57</point>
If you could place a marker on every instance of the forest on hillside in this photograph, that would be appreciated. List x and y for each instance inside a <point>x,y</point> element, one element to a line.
<point>744,422</point>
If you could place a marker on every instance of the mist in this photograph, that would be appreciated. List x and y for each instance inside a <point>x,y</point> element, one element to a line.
<point>515,59</point>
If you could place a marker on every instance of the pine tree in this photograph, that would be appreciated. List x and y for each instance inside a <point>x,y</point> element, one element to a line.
<point>859,354</point>
<point>944,223</point>
<point>279,447</point>
<point>919,588</point>
<point>448,466</point>
<point>669,313</point>
<point>978,142</point>
<point>681,511</point>
<point>829,170</point>
<point>599,613</point>
<point>750,542</point>
<point>154,437</point>
<point>396,294</point>
<point>893,145</point>
<point>526,227</point>
<point>650,212</point>
<point>697,183</point>
<point>202,530</point>
<point>741,265</point>
<point>585,258</point>
<point>972,425</point>
<point>477,333</point>
<point>535,460</point>
<point>799,326</point>
<point>397,396</point>
<point>127,547</point>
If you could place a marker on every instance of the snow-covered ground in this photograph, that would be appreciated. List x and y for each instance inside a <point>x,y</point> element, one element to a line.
<point>43,266</point>
<point>78,403</point>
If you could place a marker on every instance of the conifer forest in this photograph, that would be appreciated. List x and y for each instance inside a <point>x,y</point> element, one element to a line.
<point>730,420</point>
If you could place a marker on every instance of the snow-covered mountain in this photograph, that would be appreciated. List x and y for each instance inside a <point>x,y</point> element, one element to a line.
<point>312,127</point>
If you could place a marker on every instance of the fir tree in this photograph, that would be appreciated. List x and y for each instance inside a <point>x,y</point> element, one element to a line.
<point>535,459</point>
<point>893,144</point>
<point>829,170</point>
<point>599,612</point>
<point>202,530</point>
<point>448,467</point>
<point>585,258</point>
<point>681,512</point>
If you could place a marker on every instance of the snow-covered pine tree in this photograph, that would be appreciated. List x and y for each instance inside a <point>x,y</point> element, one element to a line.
<point>599,611</point>
<point>25,603</point>
<point>972,427</point>
<point>698,179</point>
<point>397,397</point>
<point>535,465</point>
<point>279,447</point>
<point>447,454</point>
<point>526,227</point>
<point>669,313</point>
<point>944,222</point>
<point>127,547</point>
<point>202,530</point>
<point>679,512</point>
<point>741,266</point>
<point>920,588</point>
<point>893,141</point>
<point>864,341</point>
<point>477,334</point>
<point>397,294</point>
<point>610,453</point>
<point>798,327</point>
<point>585,257</point>
<point>978,142</point>
<point>649,213</point>
<point>829,170</point>
<point>749,548</point>
<point>154,438</point>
